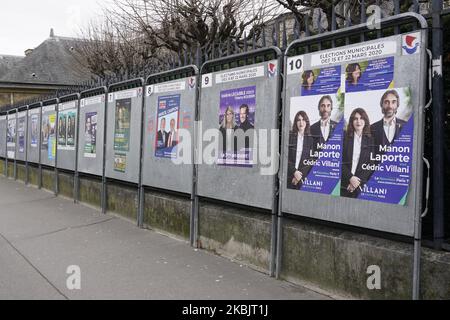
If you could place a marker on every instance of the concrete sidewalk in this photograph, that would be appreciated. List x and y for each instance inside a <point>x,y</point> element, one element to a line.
<point>41,235</point>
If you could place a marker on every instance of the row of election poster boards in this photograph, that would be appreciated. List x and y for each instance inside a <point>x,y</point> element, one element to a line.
<point>352,132</point>
<point>69,133</point>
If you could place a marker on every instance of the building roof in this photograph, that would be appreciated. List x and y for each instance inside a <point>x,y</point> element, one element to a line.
<point>8,62</point>
<point>51,63</point>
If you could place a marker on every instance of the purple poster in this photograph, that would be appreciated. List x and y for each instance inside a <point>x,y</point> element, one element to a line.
<point>378,146</point>
<point>236,125</point>
<point>315,143</point>
<point>321,81</point>
<point>369,75</point>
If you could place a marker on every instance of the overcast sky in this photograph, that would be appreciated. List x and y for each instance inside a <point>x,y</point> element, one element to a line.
<point>24,24</point>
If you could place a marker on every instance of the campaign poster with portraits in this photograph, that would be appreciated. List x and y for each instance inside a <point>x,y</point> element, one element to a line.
<point>21,135</point>
<point>11,133</point>
<point>45,129</point>
<point>236,125</point>
<point>51,145</point>
<point>71,118</point>
<point>368,75</point>
<point>168,124</point>
<point>320,81</point>
<point>90,135</point>
<point>34,131</point>
<point>66,129</point>
<point>378,145</point>
<point>62,125</point>
<point>122,125</point>
<point>315,143</point>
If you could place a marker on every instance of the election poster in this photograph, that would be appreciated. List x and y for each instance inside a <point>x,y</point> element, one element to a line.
<point>66,130</point>
<point>62,125</point>
<point>120,162</point>
<point>45,132</point>
<point>378,145</point>
<point>375,74</point>
<point>320,81</point>
<point>34,131</point>
<point>51,145</point>
<point>11,133</point>
<point>168,124</point>
<point>90,135</point>
<point>21,135</point>
<point>71,118</point>
<point>236,125</point>
<point>122,125</point>
<point>315,143</point>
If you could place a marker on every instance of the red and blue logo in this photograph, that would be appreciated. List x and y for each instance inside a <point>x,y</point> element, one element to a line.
<point>272,68</point>
<point>191,83</point>
<point>410,44</point>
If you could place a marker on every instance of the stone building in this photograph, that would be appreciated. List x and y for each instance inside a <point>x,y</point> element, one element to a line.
<point>42,71</point>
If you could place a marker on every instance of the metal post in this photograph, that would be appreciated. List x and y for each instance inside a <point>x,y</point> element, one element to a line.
<point>193,190</point>
<point>279,224</point>
<point>6,146</point>
<point>438,127</point>
<point>192,217</point>
<point>194,208</point>
<point>273,238</point>
<point>15,147</point>
<point>196,157</point>
<point>5,163</point>
<point>56,180</point>
<point>279,239</point>
<point>105,118</point>
<point>141,190</point>
<point>77,148</point>
<point>417,238</point>
<point>141,204</point>
<point>416,266</point>
<point>39,149</point>
<point>26,148</point>
<point>275,242</point>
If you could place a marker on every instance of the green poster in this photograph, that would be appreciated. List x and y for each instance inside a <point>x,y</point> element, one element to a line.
<point>62,125</point>
<point>120,162</point>
<point>122,125</point>
<point>71,116</point>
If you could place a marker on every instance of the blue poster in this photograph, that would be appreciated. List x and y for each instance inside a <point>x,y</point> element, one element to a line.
<point>369,75</point>
<point>315,143</point>
<point>321,81</point>
<point>168,123</point>
<point>378,146</point>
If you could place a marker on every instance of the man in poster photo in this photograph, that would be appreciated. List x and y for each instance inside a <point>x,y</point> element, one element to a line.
<point>243,117</point>
<point>323,129</point>
<point>245,124</point>
<point>162,135</point>
<point>171,135</point>
<point>387,129</point>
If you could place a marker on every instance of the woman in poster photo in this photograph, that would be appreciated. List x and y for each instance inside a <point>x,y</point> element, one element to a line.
<point>358,144</point>
<point>353,74</point>
<point>300,144</point>
<point>307,80</point>
<point>227,128</point>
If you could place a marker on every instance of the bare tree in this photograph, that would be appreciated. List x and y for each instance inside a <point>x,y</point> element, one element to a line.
<point>143,34</point>
<point>315,14</point>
